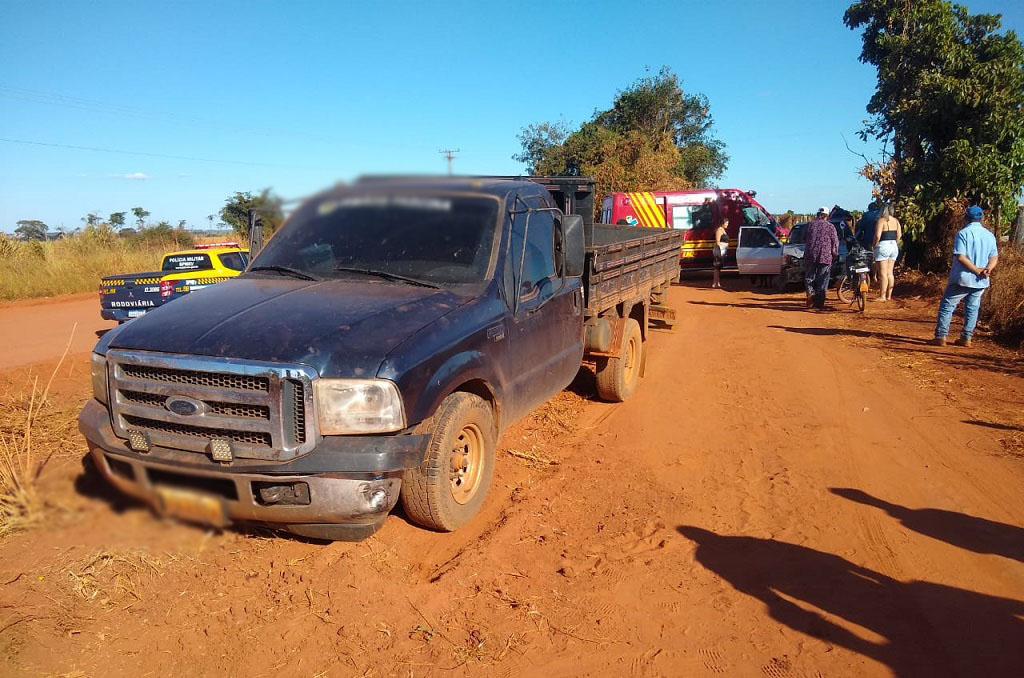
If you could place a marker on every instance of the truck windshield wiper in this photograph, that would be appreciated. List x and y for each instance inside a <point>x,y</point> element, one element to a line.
<point>286,270</point>
<point>387,276</point>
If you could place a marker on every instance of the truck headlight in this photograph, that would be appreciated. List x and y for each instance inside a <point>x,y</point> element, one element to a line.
<point>98,372</point>
<point>347,406</point>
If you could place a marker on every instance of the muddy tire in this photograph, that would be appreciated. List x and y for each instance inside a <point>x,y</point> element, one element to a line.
<point>617,377</point>
<point>450,486</point>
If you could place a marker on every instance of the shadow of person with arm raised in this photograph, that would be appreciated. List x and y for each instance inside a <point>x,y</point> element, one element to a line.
<point>959,529</point>
<point>806,589</point>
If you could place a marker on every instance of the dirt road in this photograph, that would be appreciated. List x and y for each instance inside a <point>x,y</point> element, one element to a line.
<point>39,329</point>
<point>787,494</point>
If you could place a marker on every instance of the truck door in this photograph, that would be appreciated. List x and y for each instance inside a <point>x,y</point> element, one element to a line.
<point>545,328</point>
<point>759,251</point>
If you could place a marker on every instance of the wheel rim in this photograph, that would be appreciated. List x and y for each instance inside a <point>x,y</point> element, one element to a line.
<point>630,360</point>
<point>466,463</point>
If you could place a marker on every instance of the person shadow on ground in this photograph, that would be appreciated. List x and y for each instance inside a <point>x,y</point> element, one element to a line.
<point>926,629</point>
<point>959,529</point>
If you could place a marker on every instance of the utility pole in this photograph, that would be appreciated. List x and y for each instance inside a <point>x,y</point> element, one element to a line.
<point>449,154</point>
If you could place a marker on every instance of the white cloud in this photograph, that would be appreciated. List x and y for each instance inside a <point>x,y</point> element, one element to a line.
<point>132,176</point>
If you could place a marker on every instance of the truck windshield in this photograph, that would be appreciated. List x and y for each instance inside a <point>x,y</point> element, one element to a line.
<point>441,239</point>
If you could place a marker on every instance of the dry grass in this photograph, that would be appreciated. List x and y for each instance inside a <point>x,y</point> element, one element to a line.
<point>22,424</point>
<point>1003,307</point>
<point>107,577</point>
<point>72,265</point>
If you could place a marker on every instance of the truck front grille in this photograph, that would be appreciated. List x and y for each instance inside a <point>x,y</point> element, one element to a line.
<point>261,407</point>
<point>250,437</point>
<point>238,382</point>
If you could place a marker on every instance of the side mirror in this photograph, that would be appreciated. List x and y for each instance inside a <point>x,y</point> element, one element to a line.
<point>572,236</point>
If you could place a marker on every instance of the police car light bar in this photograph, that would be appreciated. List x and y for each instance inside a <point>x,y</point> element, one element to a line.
<point>213,245</point>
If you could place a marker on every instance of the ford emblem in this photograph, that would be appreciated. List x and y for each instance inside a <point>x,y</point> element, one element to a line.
<point>185,407</point>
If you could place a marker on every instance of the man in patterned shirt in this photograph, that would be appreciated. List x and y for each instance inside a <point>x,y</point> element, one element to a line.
<point>820,249</point>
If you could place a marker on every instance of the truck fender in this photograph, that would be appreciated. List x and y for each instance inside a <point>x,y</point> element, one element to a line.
<point>468,371</point>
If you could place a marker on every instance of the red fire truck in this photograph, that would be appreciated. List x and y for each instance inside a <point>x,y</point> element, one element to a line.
<point>697,213</point>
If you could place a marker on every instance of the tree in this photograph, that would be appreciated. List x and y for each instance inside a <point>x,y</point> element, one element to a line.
<point>92,219</point>
<point>116,219</point>
<point>31,229</point>
<point>181,224</point>
<point>949,110</point>
<point>655,136</point>
<point>236,211</point>
<point>210,218</point>
<point>164,232</point>
<point>140,217</point>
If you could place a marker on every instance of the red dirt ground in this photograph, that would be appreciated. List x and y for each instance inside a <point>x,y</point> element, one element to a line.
<point>787,494</point>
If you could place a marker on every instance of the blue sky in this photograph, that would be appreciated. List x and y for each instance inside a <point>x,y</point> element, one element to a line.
<point>297,95</point>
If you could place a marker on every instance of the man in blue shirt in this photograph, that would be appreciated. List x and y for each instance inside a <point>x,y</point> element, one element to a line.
<point>974,257</point>
<point>865,232</point>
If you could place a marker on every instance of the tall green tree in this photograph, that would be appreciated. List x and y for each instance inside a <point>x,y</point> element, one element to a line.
<point>92,219</point>
<point>116,219</point>
<point>237,208</point>
<point>31,229</point>
<point>140,217</point>
<point>949,109</point>
<point>655,136</point>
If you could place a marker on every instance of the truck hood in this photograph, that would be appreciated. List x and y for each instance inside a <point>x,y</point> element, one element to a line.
<point>340,328</point>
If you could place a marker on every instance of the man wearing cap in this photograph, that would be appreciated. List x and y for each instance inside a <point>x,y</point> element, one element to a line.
<point>820,249</point>
<point>974,257</point>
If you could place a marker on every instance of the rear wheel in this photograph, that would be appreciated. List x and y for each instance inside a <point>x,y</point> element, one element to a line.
<point>617,377</point>
<point>860,301</point>
<point>449,487</point>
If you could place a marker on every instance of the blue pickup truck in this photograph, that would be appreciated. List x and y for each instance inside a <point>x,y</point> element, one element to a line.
<point>373,352</point>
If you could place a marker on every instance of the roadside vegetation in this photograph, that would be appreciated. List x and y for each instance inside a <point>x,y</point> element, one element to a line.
<point>655,137</point>
<point>32,430</point>
<point>76,263</point>
<point>949,114</point>
<point>39,262</point>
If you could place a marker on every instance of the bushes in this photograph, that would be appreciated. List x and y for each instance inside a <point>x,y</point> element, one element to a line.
<point>1003,307</point>
<point>74,264</point>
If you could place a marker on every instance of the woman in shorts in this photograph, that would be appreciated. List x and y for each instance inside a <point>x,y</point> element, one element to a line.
<point>719,250</point>
<point>888,232</point>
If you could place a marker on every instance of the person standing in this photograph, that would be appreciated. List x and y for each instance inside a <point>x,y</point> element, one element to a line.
<point>719,251</point>
<point>886,248</point>
<point>821,247</point>
<point>975,256</point>
<point>866,225</point>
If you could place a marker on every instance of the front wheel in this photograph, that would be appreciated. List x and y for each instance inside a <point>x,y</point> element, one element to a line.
<point>844,289</point>
<point>617,377</point>
<point>449,487</point>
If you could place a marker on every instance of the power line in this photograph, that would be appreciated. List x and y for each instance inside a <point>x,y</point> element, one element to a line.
<point>150,155</point>
<point>449,153</point>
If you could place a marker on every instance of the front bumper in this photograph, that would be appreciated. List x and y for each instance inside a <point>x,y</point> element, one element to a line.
<point>342,474</point>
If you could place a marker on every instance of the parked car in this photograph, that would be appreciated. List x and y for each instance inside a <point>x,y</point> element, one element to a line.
<point>375,349</point>
<point>123,297</point>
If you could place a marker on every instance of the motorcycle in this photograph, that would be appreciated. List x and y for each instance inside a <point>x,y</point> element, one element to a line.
<point>855,279</point>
